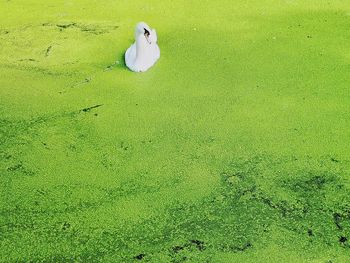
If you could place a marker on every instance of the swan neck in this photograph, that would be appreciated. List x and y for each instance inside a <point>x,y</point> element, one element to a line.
<point>140,45</point>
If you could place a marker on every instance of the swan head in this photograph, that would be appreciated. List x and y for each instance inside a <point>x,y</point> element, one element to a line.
<point>142,29</point>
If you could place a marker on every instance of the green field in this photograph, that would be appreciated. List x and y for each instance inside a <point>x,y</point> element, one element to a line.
<point>234,147</point>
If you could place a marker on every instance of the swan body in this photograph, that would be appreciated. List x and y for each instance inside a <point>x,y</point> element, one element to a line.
<point>144,53</point>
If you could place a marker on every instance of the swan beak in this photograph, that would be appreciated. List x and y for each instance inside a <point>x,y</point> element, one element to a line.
<point>147,34</point>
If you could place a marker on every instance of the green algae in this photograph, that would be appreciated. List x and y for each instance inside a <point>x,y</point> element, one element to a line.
<point>233,148</point>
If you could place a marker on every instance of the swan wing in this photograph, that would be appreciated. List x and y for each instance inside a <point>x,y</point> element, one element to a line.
<point>156,52</point>
<point>153,36</point>
<point>130,55</point>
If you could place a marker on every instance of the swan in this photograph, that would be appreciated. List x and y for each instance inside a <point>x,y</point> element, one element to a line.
<point>144,53</point>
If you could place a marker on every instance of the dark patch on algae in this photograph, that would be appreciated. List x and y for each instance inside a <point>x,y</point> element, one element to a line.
<point>95,29</point>
<point>140,256</point>
<point>88,109</point>
<point>48,50</point>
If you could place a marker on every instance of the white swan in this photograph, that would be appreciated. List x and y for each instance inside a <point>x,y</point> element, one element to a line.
<point>145,52</point>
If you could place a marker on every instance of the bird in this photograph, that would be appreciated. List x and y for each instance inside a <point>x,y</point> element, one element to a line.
<point>145,52</point>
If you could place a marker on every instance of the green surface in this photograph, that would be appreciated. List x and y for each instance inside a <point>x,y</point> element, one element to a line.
<point>235,147</point>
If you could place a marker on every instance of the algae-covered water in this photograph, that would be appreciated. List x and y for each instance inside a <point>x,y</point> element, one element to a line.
<point>235,147</point>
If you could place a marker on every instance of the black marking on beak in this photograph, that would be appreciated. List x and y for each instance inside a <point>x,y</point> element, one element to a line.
<point>146,32</point>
